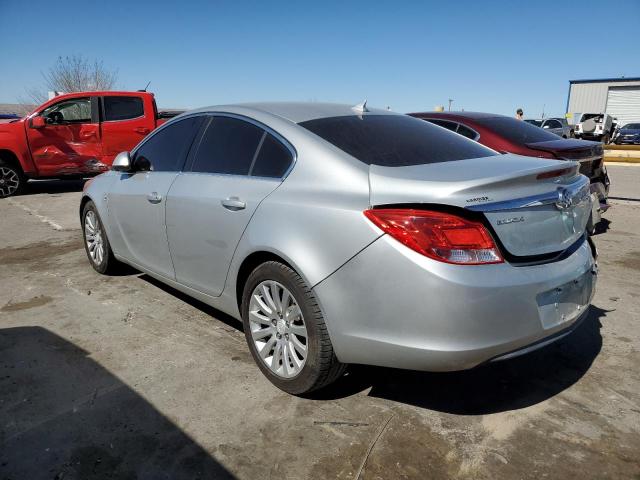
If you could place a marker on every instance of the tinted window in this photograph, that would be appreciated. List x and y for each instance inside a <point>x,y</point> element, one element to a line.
<point>516,131</point>
<point>273,159</point>
<point>467,132</point>
<point>228,146</point>
<point>165,151</point>
<point>394,140</point>
<point>443,123</point>
<point>553,124</point>
<point>122,108</point>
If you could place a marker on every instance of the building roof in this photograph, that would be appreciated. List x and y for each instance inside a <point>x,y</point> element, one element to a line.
<point>602,80</point>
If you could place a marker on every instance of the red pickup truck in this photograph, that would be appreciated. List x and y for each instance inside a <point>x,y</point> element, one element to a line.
<point>75,134</point>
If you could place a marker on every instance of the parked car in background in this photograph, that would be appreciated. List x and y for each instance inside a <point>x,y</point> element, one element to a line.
<point>344,235</point>
<point>599,127</point>
<point>74,134</point>
<point>557,126</point>
<point>629,134</point>
<point>507,134</point>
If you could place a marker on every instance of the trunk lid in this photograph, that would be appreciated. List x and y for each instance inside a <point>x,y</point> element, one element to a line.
<point>530,216</point>
<point>589,154</point>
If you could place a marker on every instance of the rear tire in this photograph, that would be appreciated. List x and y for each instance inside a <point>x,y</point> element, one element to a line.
<point>265,330</point>
<point>12,180</point>
<point>96,243</point>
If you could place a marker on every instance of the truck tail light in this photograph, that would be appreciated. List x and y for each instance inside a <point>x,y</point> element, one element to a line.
<point>440,236</point>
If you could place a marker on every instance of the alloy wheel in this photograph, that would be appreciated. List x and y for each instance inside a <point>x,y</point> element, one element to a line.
<point>278,329</point>
<point>94,237</point>
<point>9,181</point>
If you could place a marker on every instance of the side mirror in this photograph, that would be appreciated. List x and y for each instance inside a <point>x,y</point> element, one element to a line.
<point>122,162</point>
<point>38,122</point>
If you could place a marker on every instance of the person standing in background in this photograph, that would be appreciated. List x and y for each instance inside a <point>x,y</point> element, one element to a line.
<point>519,114</point>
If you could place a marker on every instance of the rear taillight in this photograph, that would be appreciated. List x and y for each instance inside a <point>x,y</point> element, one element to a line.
<point>440,236</point>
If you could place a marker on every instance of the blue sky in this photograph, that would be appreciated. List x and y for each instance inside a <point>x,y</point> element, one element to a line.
<point>487,56</point>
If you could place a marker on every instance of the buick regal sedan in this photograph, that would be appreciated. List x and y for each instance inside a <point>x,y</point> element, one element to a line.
<point>341,235</point>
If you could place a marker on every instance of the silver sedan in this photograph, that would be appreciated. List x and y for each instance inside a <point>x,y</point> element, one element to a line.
<point>342,234</point>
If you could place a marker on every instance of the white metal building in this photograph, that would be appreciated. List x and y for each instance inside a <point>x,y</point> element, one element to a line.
<point>619,97</point>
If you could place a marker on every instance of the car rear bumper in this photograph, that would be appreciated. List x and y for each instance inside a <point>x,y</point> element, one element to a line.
<point>391,306</point>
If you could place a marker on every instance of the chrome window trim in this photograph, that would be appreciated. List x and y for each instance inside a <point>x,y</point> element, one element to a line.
<point>455,122</point>
<point>548,198</point>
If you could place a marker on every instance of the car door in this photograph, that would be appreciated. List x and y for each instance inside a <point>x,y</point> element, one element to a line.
<point>124,123</point>
<point>136,203</point>
<point>69,142</point>
<point>236,165</point>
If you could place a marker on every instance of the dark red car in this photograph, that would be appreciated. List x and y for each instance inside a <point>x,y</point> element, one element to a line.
<point>510,135</point>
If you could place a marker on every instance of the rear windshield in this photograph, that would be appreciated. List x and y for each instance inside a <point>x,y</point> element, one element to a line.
<point>516,131</point>
<point>395,140</point>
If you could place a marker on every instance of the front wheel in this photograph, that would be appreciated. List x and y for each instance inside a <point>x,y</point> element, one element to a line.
<point>286,332</point>
<point>12,179</point>
<point>96,243</point>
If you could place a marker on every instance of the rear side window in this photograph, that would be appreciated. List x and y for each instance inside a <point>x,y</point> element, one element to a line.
<point>443,123</point>
<point>122,108</point>
<point>228,146</point>
<point>273,159</point>
<point>467,132</point>
<point>395,140</point>
<point>166,150</point>
<point>516,131</point>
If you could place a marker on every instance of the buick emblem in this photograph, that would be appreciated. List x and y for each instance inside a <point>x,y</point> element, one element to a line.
<point>568,198</point>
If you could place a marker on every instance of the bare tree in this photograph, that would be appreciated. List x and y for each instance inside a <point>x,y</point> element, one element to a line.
<point>74,73</point>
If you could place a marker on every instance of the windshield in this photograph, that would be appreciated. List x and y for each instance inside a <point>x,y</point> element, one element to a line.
<point>631,126</point>
<point>537,123</point>
<point>395,140</point>
<point>515,130</point>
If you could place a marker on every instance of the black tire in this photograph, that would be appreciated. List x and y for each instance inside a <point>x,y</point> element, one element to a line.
<point>12,179</point>
<point>605,139</point>
<point>321,367</point>
<point>572,134</point>
<point>108,264</point>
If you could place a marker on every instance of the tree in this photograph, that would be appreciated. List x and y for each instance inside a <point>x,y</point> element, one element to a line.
<point>74,73</point>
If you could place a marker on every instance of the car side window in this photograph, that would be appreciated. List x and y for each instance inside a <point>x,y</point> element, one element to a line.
<point>75,110</point>
<point>228,146</point>
<point>467,132</point>
<point>122,108</point>
<point>443,123</point>
<point>273,160</point>
<point>166,150</point>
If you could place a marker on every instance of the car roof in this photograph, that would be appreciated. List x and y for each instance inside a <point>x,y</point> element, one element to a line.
<point>296,112</point>
<point>465,114</point>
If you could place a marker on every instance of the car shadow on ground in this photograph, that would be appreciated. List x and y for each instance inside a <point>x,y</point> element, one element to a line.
<point>62,415</point>
<point>203,307</point>
<point>35,187</point>
<point>602,226</point>
<point>491,388</point>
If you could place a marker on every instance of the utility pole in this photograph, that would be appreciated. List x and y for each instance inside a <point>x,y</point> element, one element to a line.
<point>450,102</point>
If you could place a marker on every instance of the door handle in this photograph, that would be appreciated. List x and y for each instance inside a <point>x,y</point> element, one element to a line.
<point>154,197</point>
<point>233,204</point>
<point>142,130</point>
<point>86,135</point>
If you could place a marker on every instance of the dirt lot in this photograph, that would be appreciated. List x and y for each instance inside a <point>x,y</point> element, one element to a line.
<point>121,377</point>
